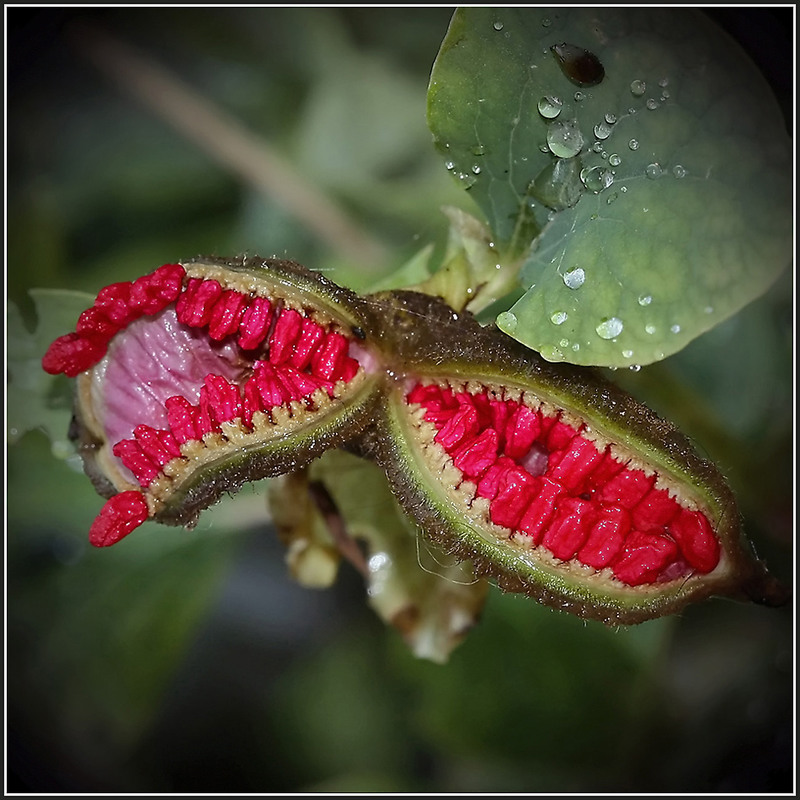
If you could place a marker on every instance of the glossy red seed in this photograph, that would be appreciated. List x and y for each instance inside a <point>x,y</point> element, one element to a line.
<point>120,515</point>
<point>311,336</point>
<point>94,322</point>
<point>255,323</point>
<point>572,466</point>
<point>500,412</point>
<point>224,398</point>
<point>538,514</point>
<point>462,426</point>
<point>302,384</point>
<point>560,436</point>
<point>643,557</point>
<point>73,353</point>
<point>327,361</point>
<point>129,452</point>
<point>626,488</point>
<point>695,537</point>
<point>195,305</point>
<point>284,335</point>
<point>153,293</point>
<point>271,391</point>
<point>251,402</point>
<point>226,315</point>
<point>474,457</point>
<point>523,428</point>
<point>569,527</point>
<point>516,489</point>
<point>114,301</point>
<point>606,537</point>
<point>159,446</point>
<point>182,419</point>
<point>489,484</point>
<point>655,511</point>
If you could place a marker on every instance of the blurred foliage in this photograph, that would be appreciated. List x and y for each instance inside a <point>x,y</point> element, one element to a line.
<point>190,661</point>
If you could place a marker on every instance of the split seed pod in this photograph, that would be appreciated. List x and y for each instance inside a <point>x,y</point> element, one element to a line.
<point>550,479</point>
<point>205,375</point>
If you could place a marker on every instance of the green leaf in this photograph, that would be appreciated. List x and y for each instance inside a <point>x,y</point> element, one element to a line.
<point>674,213</point>
<point>37,400</point>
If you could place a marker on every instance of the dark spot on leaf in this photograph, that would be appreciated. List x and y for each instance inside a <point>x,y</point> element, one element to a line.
<point>579,65</point>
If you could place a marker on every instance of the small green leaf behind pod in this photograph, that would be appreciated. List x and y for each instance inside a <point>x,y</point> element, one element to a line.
<point>551,480</point>
<point>342,506</point>
<point>650,203</point>
<point>201,376</point>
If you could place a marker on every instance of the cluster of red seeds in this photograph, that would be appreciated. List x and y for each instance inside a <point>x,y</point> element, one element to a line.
<point>116,307</point>
<point>546,481</point>
<point>292,356</point>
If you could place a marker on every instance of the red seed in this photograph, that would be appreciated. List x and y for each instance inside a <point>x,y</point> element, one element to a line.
<point>94,322</point>
<point>500,412</point>
<point>560,436</point>
<point>226,315</point>
<point>522,430</point>
<point>159,446</point>
<point>516,490</point>
<point>255,323</point>
<point>195,305</point>
<point>73,353</point>
<point>114,301</point>
<point>695,537</point>
<point>182,419</point>
<point>643,557</point>
<point>605,470</point>
<point>541,509</point>
<point>271,392</point>
<point>120,515</point>
<point>311,336</point>
<point>570,467</point>
<point>133,457</point>
<point>251,402</point>
<point>302,384</point>
<point>207,421</point>
<point>461,427</point>
<point>480,402</point>
<point>327,361</point>
<point>473,458</point>
<point>152,293</point>
<point>606,537</point>
<point>655,511</point>
<point>286,332</point>
<point>489,484</point>
<point>224,398</point>
<point>626,488</point>
<point>569,528</point>
<point>349,369</point>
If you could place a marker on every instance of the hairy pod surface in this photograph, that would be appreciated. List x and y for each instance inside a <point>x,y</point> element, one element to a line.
<point>551,479</point>
<point>204,375</point>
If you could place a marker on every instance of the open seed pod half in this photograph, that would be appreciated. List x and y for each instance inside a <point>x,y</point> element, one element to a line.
<point>550,479</point>
<point>204,375</point>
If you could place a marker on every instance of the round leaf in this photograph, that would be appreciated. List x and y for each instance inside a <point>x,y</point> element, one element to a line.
<point>653,203</point>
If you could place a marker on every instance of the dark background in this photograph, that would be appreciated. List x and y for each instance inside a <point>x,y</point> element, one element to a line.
<point>191,662</point>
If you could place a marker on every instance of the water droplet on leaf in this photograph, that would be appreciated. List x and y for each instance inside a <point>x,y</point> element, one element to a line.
<point>550,106</point>
<point>595,179</point>
<point>638,88</point>
<point>645,300</point>
<point>609,328</point>
<point>653,171</point>
<point>633,144</point>
<point>575,278</point>
<point>558,317</point>
<point>507,321</point>
<point>498,26</point>
<point>578,64</point>
<point>564,139</point>
<point>679,171</point>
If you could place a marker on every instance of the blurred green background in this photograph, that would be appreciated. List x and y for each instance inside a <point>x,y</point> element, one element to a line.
<point>189,661</point>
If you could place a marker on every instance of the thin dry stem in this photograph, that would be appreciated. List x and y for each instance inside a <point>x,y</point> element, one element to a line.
<point>229,143</point>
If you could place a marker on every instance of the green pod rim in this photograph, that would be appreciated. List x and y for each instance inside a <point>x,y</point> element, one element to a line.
<point>221,462</point>
<point>470,354</point>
